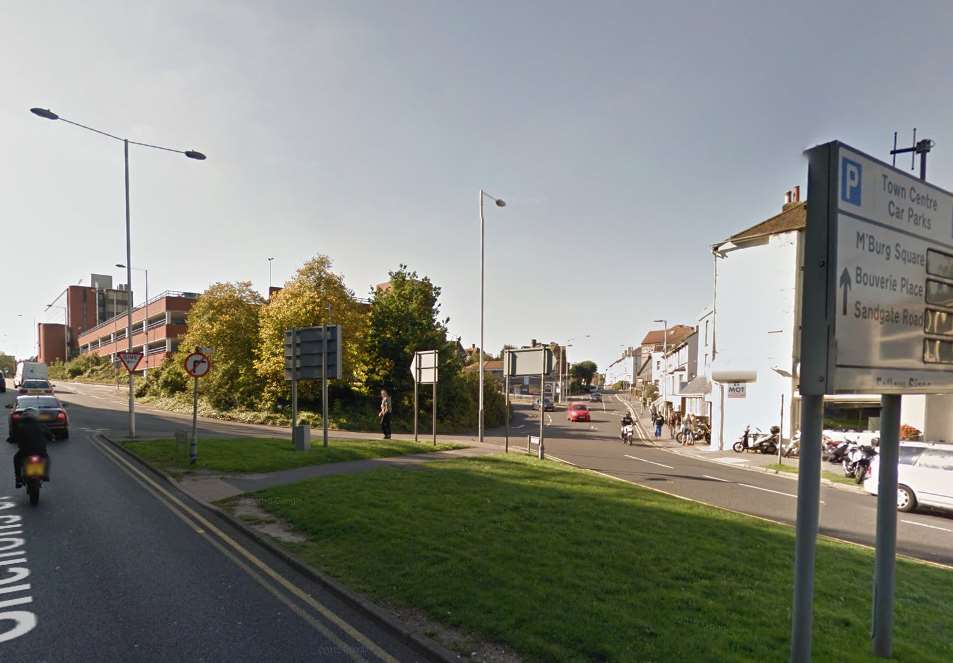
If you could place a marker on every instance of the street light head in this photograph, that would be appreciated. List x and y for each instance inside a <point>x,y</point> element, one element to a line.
<point>192,154</point>
<point>45,113</point>
<point>120,266</point>
<point>500,202</point>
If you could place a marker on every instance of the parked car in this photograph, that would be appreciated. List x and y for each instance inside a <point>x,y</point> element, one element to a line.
<point>548,405</point>
<point>577,412</point>
<point>924,475</point>
<point>35,387</point>
<point>52,413</point>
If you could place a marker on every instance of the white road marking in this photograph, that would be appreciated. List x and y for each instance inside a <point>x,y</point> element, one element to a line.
<point>731,461</point>
<point>913,522</point>
<point>707,476</point>
<point>649,461</point>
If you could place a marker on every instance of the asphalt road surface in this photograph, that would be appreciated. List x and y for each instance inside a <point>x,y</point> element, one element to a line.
<point>844,514</point>
<point>115,566</point>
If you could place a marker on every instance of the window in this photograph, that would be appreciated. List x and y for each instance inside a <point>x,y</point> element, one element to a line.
<point>706,333</point>
<point>937,459</point>
<point>909,455</point>
<point>35,384</point>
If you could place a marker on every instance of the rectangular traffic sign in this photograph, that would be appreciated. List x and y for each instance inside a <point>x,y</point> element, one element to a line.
<point>878,279</point>
<point>424,366</point>
<point>305,353</point>
<point>528,361</point>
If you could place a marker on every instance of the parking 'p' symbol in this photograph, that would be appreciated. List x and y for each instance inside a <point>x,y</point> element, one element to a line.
<point>851,174</point>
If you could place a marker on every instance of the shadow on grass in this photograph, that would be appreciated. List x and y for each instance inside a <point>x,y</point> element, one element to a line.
<point>567,566</point>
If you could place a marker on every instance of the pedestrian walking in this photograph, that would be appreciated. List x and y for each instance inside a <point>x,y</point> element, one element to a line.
<point>687,430</point>
<point>659,420</point>
<point>385,413</point>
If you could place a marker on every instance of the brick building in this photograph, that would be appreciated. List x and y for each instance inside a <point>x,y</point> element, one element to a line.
<point>157,328</point>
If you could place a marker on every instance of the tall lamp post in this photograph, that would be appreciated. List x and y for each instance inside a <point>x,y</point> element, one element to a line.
<point>191,154</point>
<point>269,276</point>
<point>145,322</point>
<point>664,357</point>
<point>499,203</point>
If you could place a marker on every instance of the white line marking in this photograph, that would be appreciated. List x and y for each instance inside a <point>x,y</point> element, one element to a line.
<point>768,490</point>
<point>649,461</point>
<point>913,522</point>
<point>731,461</point>
<point>707,476</point>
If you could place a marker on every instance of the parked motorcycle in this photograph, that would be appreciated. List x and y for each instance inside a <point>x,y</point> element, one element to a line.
<point>758,441</point>
<point>793,448</point>
<point>857,461</point>
<point>34,474</point>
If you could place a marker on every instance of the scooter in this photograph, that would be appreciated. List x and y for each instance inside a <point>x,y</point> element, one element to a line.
<point>34,472</point>
<point>758,441</point>
<point>628,434</point>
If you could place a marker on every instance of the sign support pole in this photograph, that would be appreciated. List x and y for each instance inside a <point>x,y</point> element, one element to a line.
<point>542,412</point>
<point>324,378</point>
<point>194,442</point>
<point>434,384</point>
<point>781,433</point>
<point>416,382</point>
<point>506,387</point>
<point>808,506</point>
<point>886,547</point>
<point>294,383</point>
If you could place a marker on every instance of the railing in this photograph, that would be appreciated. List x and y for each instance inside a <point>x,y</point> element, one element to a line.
<point>162,295</point>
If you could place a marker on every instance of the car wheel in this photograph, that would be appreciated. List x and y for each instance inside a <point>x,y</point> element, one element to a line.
<point>906,500</point>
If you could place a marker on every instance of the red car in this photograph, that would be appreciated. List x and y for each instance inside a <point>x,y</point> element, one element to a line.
<point>577,412</point>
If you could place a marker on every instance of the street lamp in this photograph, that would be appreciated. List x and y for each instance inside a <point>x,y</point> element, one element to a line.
<point>499,203</point>
<point>191,154</point>
<point>269,276</point>
<point>145,323</point>
<point>664,357</point>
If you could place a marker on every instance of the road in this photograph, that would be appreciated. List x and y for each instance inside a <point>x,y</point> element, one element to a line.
<point>844,514</point>
<point>113,566</point>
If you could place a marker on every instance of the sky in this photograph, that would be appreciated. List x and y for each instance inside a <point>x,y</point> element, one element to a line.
<point>626,139</point>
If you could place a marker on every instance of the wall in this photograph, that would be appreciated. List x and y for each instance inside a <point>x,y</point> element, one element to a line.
<point>754,326</point>
<point>50,338</point>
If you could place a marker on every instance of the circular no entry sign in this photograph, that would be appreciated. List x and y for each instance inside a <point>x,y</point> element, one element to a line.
<point>197,365</point>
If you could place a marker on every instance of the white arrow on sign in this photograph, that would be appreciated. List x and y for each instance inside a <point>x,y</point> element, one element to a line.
<point>129,359</point>
<point>427,366</point>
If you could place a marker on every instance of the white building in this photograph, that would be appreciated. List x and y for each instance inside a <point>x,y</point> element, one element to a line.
<point>756,339</point>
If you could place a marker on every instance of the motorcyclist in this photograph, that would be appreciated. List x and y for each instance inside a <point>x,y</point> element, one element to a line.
<point>30,436</point>
<point>626,421</point>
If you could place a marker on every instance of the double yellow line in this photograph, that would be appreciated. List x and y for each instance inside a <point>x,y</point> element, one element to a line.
<point>249,563</point>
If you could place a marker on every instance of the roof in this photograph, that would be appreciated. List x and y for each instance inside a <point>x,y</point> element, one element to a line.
<point>676,334</point>
<point>488,365</point>
<point>793,218</point>
<point>700,386</point>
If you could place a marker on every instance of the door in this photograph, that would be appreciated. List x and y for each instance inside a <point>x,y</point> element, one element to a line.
<point>934,472</point>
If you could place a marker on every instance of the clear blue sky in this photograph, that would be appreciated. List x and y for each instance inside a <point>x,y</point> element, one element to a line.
<point>626,137</point>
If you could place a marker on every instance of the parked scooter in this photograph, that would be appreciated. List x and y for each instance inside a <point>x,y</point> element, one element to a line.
<point>758,441</point>
<point>793,448</point>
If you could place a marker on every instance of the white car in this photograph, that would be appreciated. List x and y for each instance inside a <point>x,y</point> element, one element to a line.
<point>924,475</point>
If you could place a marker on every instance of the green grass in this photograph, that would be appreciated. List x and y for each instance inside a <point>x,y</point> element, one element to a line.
<point>563,565</point>
<point>833,476</point>
<point>267,454</point>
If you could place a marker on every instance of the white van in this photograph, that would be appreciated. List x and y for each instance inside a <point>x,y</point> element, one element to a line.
<point>30,370</point>
<point>924,475</point>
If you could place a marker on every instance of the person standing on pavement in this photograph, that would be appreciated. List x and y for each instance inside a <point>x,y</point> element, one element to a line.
<point>659,420</point>
<point>384,414</point>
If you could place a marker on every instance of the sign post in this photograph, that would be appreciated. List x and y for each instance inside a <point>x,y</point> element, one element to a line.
<point>526,362</point>
<point>424,368</point>
<point>129,359</point>
<point>197,365</point>
<point>877,319</point>
<point>312,353</point>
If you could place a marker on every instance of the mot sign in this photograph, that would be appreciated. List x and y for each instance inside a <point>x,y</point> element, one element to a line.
<point>736,390</point>
<point>878,279</point>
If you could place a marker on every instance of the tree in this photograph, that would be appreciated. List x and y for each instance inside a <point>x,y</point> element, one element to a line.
<point>405,318</point>
<point>583,372</point>
<point>225,319</point>
<point>8,364</point>
<point>303,302</point>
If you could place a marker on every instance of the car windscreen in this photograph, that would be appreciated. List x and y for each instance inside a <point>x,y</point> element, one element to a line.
<point>580,407</point>
<point>40,402</point>
<point>909,455</point>
<point>35,384</point>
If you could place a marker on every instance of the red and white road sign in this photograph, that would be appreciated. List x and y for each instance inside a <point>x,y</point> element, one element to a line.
<point>129,359</point>
<point>197,365</point>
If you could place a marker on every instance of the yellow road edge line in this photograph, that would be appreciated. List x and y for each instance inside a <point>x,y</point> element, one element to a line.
<point>284,582</point>
<point>330,635</point>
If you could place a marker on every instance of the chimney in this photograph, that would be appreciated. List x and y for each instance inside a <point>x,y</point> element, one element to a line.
<point>797,193</point>
<point>787,198</point>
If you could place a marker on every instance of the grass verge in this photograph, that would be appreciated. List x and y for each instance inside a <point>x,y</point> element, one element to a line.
<point>563,565</point>
<point>268,454</point>
<point>832,476</point>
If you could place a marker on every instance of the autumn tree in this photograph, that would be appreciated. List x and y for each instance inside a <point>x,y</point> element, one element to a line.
<point>583,372</point>
<point>303,302</point>
<point>225,319</point>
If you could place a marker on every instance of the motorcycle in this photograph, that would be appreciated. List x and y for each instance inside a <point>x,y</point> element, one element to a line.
<point>793,449</point>
<point>34,472</point>
<point>858,461</point>
<point>628,434</point>
<point>838,451</point>
<point>760,442</point>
